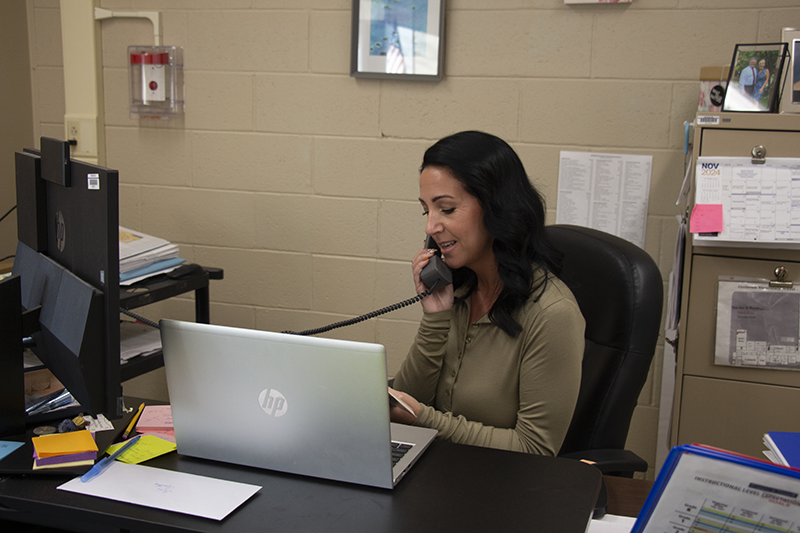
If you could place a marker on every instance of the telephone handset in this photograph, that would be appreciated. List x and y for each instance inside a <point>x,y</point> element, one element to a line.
<point>435,274</point>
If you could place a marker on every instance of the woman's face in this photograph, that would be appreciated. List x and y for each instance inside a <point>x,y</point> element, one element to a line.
<point>761,65</point>
<point>455,220</point>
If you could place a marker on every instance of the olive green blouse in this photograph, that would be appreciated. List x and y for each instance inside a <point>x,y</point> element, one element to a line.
<point>480,386</point>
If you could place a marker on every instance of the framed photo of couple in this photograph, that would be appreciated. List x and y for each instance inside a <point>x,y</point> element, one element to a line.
<point>755,78</point>
<point>790,101</point>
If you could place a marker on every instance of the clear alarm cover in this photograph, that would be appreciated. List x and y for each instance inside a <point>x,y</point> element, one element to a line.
<point>156,81</point>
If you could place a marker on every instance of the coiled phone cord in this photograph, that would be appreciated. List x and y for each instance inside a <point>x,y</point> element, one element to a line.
<point>316,331</point>
<point>139,318</point>
<point>362,318</point>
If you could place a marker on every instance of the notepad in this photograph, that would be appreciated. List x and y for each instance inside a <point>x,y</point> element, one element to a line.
<point>155,418</point>
<point>64,443</point>
<point>149,446</point>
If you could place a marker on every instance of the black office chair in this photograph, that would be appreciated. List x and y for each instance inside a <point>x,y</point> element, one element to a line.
<point>620,292</point>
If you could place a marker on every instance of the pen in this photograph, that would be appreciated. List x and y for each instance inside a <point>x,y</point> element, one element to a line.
<point>129,429</point>
<point>106,462</point>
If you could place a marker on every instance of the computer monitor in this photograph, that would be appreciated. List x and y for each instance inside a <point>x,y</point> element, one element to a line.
<point>68,262</point>
<point>12,390</point>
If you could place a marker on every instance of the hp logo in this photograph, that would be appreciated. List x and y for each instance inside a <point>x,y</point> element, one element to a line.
<point>61,231</point>
<point>272,402</point>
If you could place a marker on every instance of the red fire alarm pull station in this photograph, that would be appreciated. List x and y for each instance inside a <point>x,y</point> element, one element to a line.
<point>156,81</point>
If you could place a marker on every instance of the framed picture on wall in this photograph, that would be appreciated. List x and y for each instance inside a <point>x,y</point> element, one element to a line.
<point>754,78</point>
<point>397,39</point>
<point>790,99</point>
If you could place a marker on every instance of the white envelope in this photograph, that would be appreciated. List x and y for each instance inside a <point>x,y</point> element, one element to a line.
<point>164,489</point>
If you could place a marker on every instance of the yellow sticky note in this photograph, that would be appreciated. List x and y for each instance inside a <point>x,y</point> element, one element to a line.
<point>72,464</point>
<point>146,448</point>
<point>64,443</point>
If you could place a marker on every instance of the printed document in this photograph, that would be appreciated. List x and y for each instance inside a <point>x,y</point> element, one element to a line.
<point>607,192</point>
<point>758,326</point>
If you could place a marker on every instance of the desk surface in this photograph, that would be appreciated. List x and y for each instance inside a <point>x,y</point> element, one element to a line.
<point>626,496</point>
<point>452,487</point>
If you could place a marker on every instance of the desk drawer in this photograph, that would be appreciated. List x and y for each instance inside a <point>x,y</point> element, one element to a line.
<point>701,318</point>
<point>740,143</point>
<point>735,415</point>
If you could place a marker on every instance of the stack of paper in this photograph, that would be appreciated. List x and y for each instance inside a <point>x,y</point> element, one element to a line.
<point>783,448</point>
<point>157,420</point>
<point>142,256</point>
<point>76,448</point>
<point>137,339</point>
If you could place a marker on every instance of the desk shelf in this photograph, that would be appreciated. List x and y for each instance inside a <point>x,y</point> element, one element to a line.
<point>156,289</point>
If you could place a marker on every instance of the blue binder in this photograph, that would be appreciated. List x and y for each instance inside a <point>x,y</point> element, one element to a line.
<point>787,444</point>
<point>701,488</point>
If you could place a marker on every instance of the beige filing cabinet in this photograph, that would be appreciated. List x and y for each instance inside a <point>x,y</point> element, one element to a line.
<point>732,407</point>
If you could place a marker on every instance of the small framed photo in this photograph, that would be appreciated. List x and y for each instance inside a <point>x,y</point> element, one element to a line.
<point>755,77</point>
<point>790,100</point>
<point>397,39</point>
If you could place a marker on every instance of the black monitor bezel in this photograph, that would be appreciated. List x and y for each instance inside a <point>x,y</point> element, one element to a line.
<point>81,222</point>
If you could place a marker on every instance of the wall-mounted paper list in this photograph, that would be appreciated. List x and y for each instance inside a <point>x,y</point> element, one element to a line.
<point>607,192</point>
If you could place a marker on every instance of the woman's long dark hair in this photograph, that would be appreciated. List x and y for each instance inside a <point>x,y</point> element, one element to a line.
<point>513,213</point>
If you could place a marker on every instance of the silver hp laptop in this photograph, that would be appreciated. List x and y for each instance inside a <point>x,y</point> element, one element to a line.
<point>304,405</point>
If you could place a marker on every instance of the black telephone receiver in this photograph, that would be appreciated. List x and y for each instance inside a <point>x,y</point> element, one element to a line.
<point>436,274</point>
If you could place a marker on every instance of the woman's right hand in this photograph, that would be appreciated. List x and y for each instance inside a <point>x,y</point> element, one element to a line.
<point>440,299</point>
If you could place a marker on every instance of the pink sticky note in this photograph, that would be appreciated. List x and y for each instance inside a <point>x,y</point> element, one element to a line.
<point>706,218</point>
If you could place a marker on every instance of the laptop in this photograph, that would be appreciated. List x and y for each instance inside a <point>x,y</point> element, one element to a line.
<point>303,405</point>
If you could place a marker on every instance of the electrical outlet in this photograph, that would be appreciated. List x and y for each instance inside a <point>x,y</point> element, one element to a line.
<point>73,131</point>
<point>81,130</point>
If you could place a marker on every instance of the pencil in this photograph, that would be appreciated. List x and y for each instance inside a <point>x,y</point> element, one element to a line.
<point>129,429</point>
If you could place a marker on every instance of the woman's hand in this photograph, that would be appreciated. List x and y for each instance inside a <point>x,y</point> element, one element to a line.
<point>400,415</point>
<point>440,299</point>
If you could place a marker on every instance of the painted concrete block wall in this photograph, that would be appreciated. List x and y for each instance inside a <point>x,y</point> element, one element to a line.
<point>301,182</point>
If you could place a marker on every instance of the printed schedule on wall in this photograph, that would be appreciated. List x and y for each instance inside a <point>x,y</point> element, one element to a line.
<point>606,192</point>
<point>739,201</point>
<point>706,490</point>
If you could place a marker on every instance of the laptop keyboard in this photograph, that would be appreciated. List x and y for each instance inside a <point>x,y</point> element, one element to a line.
<point>399,449</point>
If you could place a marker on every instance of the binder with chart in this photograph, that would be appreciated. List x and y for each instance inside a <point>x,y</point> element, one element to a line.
<point>701,488</point>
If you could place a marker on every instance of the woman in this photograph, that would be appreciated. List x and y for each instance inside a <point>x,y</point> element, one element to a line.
<point>497,358</point>
<point>762,80</point>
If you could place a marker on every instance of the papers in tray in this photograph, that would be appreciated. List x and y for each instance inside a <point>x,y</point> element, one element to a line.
<point>137,339</point>
<point>160,267</point>
<point>700,488</point>
<point>139,250</point>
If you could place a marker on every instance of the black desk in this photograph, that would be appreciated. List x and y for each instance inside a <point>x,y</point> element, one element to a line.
<point>451,488</point>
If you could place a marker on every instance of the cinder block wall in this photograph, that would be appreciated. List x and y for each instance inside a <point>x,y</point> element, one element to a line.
<point>301,182</point>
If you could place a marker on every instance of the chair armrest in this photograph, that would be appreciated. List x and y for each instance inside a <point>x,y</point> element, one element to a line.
<point>613,462</point>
